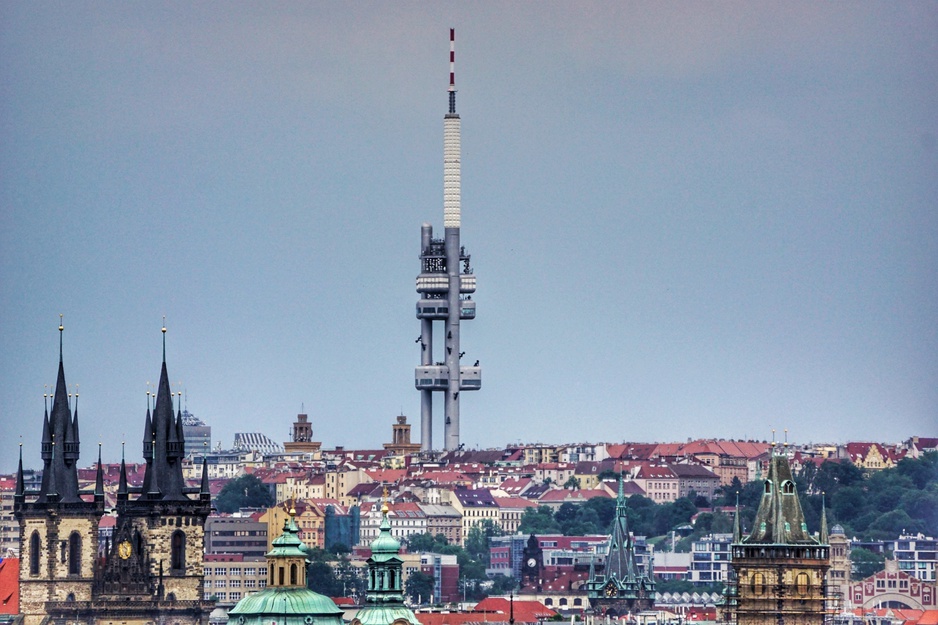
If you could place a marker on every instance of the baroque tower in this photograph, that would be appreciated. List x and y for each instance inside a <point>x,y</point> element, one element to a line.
<point>384,601</point>
<point>445,277</point>
<point>779,569</point>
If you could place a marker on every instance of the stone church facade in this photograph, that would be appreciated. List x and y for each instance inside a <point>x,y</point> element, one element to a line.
<point>151,570</point>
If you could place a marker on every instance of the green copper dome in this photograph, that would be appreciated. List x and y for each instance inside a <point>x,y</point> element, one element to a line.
<point>286,600</point>
<point>285,606</point>
<point>385,545</point>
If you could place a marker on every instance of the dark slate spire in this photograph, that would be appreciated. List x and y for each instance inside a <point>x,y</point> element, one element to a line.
<point>122,490</point>
<point>737,533</point>
<point>165,471</point>
<point>824,538</point>
<point>780,520</point>
<point>99,478</point>
<point>46,436</point>
<point>20,491</point>
<point>149,437</point>
<point>62,467</point>
<point>620,562</point>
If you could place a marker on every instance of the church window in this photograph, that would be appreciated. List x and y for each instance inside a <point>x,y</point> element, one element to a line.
<point>768,487</point>
<point>271,573</point>
<point>178,555</point>
<point>74,554</point>
<point>280,575</point>
<point>293,574</point>
<point>34,549</point>
<point>70,597</point>
<point>788,487</point>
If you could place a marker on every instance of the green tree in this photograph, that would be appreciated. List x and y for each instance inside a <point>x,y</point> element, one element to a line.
<point>477,542</point>
<point>572,483</point>
<point>922,471</point>
<point>865,563</point>
<point>419,588</point>
<point>244,492</point>
<point>503,584</point>
<point>538,520</point>
<point>605,508</point>
<point>426,543</point>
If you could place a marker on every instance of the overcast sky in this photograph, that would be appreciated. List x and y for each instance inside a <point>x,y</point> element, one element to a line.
<point>686,219</point>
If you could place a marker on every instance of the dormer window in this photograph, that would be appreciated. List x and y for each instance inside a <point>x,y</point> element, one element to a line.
<point>768,488</point>
<point>788,487</point>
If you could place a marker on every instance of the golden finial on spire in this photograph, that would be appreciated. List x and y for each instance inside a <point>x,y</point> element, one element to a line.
<point>385,508</point>
<point>61,322</point>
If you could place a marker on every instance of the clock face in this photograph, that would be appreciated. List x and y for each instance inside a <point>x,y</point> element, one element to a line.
<point>532,563</point>
<point>124,550</point>
<point>611,590</point>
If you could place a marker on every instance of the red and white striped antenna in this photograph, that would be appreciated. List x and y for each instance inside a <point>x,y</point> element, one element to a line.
<point>452,59</point>
<point>452,71</point>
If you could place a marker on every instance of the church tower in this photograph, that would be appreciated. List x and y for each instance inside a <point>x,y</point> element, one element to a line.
<point>779,569</point>
<point>156,553</point>
<point>621,588</point>
<point>384,602</point>
<point>58,524</point>
<point>151,571</point>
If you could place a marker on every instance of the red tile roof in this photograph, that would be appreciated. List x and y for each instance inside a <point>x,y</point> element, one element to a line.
<point>9,586</point>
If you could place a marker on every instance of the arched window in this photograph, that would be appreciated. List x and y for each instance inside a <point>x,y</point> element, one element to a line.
<point>177,560</point>
<point>757,583</point>
<point>74,554</point>
<point>768,487</point>
<point>34,548</point>
<point>788,487</point>
<point>271,582</point>
<point>70,597</point>
<point>293,574</point>
<point>392,580</point>
<point>280,570</point>
<point>802,583</point>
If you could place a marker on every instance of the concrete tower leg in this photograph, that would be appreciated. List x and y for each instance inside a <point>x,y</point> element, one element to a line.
<point>451,405</point>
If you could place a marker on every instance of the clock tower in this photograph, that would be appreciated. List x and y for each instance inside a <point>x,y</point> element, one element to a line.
<point>532,564</point>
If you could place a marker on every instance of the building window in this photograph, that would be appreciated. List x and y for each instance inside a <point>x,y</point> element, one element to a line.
<point>34,548</point>
<point>293,574</point>
<point>177,560</point>
<point>74,554</point>
<point>802,584</point>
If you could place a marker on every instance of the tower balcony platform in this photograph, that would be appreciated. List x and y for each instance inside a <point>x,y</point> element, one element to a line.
<point>431,378</point>
<point>438,309</point>
<point>439,283</point>
<point>436,378</point>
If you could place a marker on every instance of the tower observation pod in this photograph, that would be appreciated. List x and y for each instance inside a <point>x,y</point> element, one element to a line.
<point>445,286</point>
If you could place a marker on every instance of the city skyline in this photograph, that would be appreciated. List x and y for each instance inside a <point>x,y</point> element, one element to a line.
<point>686,221</point>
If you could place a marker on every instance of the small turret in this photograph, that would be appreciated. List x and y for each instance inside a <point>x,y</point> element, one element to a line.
<point>99,479</point>
<point>824,538</point>
<point>19,495</point>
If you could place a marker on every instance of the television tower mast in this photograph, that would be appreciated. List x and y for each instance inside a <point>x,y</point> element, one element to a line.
<point>445,277</point>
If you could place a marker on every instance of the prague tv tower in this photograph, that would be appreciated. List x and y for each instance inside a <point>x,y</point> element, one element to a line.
<point>445,277</point>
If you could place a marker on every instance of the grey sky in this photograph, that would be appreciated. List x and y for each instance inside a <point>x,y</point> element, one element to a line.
<point>687,219</point>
